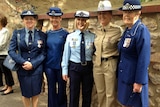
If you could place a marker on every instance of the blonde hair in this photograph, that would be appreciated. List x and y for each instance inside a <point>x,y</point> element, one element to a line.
<point>86,25</point>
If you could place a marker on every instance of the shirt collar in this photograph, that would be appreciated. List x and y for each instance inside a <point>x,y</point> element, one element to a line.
<point>27,30</point>
<point>104,28</point>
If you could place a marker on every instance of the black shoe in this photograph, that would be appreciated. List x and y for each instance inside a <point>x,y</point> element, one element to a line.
<point>7,93</point>
<point>3,90</point>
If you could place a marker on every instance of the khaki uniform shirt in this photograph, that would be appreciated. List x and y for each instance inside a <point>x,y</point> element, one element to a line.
<point>106,42</point>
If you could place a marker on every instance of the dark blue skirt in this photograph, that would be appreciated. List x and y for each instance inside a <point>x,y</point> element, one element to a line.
<point>30,85</point>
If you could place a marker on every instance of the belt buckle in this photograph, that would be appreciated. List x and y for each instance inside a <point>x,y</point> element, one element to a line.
<point>84,64</point>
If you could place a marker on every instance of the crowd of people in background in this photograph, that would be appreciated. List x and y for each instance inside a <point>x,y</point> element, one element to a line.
<point>116,60</point>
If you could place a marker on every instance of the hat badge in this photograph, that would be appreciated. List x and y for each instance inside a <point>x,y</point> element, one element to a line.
<point>28,13</point>
<point>53,12</point>
<point>81,14</point>
<point>101,6</point>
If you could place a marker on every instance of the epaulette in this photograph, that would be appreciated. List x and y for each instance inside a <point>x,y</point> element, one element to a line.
<point>90,32</point>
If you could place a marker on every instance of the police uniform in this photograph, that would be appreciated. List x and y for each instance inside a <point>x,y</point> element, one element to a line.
<point>54,45</point>
<point>78,72</point>
<point>30,80</point>
<point>105,62</point>
<point>134,49</point>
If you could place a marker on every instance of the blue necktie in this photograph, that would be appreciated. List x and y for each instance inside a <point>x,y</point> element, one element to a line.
<point>82,49</point>
<point>30,38</point>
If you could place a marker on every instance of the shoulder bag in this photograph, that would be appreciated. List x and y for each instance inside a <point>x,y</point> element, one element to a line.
<point>9,62</point>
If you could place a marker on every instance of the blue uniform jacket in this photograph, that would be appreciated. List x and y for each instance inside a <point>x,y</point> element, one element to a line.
<point>134,49</point>
<point>35,54</point>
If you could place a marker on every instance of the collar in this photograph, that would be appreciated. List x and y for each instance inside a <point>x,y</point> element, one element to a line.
<point>134,28</point>
<point>104,28</point>
<point>27,30</point>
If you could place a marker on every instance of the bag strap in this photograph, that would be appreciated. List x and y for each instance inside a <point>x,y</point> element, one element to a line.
<point>18,41</point>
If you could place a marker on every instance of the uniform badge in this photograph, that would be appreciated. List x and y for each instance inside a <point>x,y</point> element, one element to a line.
<point>39,42</point>
<point>74,42</point>
<point>89,45</point>
<point>127,42</point>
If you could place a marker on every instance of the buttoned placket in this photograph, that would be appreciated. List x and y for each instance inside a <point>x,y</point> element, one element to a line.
<point>99,49</point>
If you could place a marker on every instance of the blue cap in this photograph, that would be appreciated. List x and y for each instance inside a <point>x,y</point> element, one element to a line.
<point>55,11</point>
<point>129,5</point>
<point>82,14</point>
<point>28,13</point>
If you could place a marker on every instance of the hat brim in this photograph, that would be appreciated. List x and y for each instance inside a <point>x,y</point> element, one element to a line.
<point>81,17</point>
<point>54,14</point>
<point>35,16</point>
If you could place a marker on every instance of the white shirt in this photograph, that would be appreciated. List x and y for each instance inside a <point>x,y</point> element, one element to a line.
<point>4,41</point>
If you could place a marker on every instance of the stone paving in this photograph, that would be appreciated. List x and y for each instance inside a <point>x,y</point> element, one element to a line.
<point>14,99</point>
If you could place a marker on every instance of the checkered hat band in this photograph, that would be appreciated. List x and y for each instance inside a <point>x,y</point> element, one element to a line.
<point>131,7</point>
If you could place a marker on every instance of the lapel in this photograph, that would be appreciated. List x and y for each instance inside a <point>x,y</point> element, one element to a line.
<point>22,37</point>
<point>36,38</point>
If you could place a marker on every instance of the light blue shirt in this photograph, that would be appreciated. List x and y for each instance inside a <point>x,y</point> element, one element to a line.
<point>72,49</point>
<point>27,35</point>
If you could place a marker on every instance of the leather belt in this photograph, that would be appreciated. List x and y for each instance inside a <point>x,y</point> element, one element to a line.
<point>106,59</point>
<point>82,64</point>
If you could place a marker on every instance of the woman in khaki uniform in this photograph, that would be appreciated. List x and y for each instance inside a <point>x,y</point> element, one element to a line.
<point>105,56</point>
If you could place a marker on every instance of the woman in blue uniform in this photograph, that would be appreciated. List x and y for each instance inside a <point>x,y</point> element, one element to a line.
<point>29,58</point>
<point>56,38</point>
<point>77,61</point>
<point>134,49</point>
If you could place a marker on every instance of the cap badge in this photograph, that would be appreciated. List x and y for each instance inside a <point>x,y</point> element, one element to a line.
<point>101,6</point>
<point>81,14</point>
<point>28,13</point>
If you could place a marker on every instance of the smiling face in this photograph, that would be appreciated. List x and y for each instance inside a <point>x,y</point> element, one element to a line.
<point>81,23</point>
<point>55,21</point>
<point>104,17</point>
<point>130,17</point>
<point>29,22</point>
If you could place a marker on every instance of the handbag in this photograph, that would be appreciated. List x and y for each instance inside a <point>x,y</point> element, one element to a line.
<point>9,62</point>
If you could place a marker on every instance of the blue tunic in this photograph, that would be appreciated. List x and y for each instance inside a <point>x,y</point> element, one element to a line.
<point>134,48</point>
<point>55,45</point>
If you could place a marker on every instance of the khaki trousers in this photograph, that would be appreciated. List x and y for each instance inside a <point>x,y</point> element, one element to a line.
<point>105,81</point>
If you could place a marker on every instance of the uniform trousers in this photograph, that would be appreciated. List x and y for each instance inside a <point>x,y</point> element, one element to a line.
<point>80,76</point>
<point>56,88</point>
<point>7,73</point>
<point>105,81</point>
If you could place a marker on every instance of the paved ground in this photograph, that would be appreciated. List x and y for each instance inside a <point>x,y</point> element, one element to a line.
<point>14,99</point>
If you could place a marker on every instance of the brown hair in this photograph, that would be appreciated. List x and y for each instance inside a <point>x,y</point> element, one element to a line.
<point>3,20</point>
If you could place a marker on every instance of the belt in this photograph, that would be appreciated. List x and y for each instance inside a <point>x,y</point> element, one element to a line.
<point>82,64</point>
<point>106,59</point>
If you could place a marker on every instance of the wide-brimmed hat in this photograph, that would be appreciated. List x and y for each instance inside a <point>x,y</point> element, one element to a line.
<point>104,5</point>
<point>54,11</point>
<point>82,14</point>
<point>28,13</point>
<point>130,5</point>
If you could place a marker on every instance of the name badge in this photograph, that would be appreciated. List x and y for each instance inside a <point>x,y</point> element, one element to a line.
<point>127,42</point>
